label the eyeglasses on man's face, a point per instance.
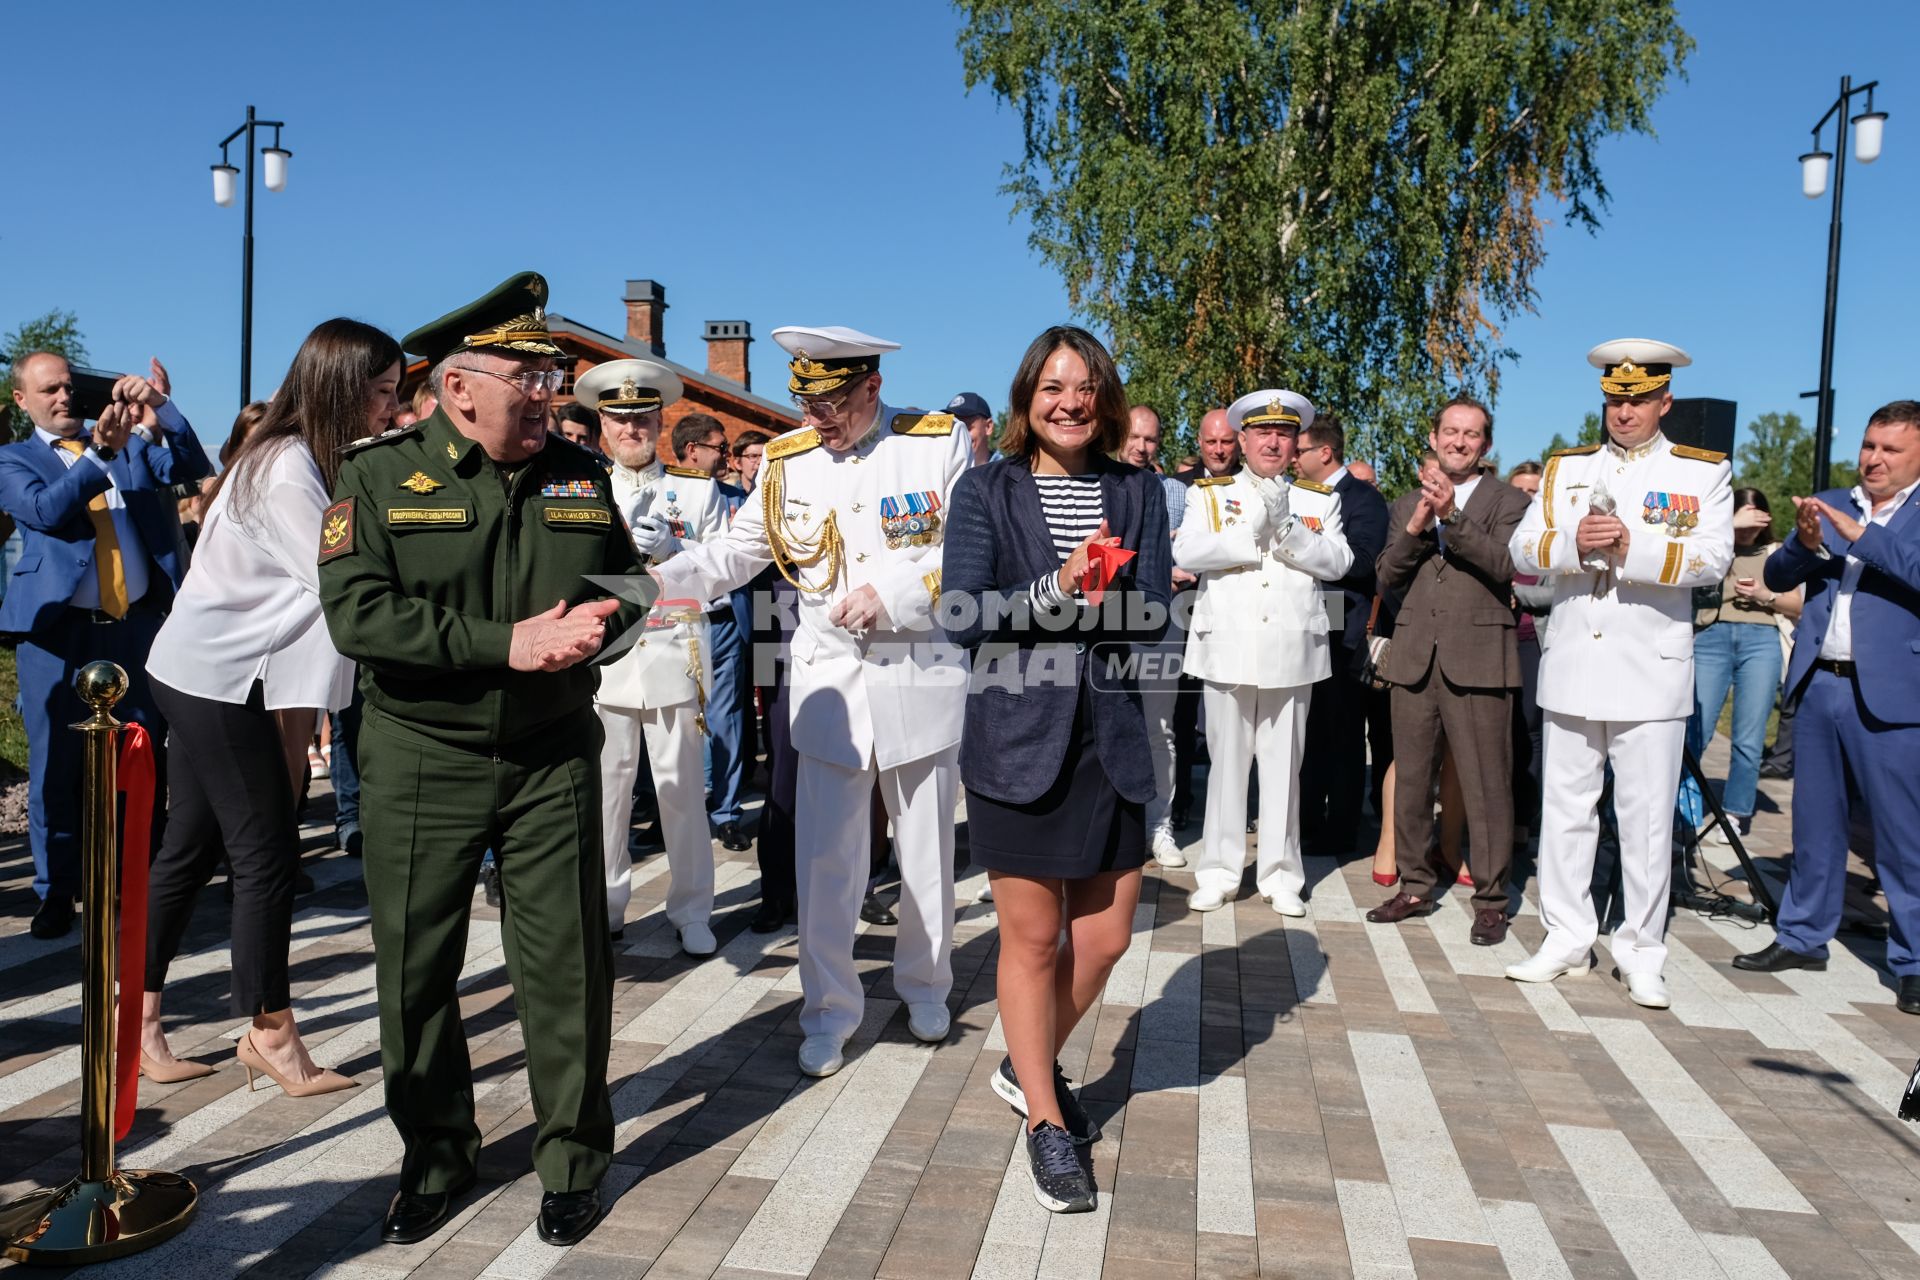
(530, 381)
(707, 444)
(823, 408)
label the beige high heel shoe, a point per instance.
(328, 1081)
(176, 1072)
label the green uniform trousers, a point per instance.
(428, 811)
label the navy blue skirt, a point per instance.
(1079, 827)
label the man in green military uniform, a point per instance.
(454, 567)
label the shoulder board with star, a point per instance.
(1576, 451)
(791, 443)
(923, 424)
(688, 473)
(1312, 486)
(385, 437)
(1208, 481)
(1698, 455)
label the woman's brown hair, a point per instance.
(1109, 393)
(323, 401)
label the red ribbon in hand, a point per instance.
(1103, 562)
(137, 784)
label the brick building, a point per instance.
(724, 389)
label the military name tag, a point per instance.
(578, 516)
(437, 517)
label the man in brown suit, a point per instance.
(1453, 664)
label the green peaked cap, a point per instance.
(508, 318)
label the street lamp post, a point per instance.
(1869, 126)
(224, 175)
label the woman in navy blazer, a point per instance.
(1055, 756)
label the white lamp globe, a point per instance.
(223, 184)
(1813, 173)
(276, 176)
(1867, 131)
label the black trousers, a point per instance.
(1333, 777)
(228, 791)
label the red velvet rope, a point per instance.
(137, 784)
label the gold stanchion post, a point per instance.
(105, 1212)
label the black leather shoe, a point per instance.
(731, 837)
(355, 844)
(770, 917)
(1909, 1001)
(567, 1216)
(54, 918)
(1180, 816)
(875, 911)
(1773, 957)
(1776, 770)
(490, 884)
(647, 840)
(415, 1215)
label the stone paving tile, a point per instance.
(1300, 1098)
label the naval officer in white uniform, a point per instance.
(653, 696)
(851, 508)
(1264, 549)
(1624, 530)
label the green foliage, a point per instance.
(1777, 458)
(57, 331)
(1334, 195)
(1591, 432)
(13, 730)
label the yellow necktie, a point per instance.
(106, 547)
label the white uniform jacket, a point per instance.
(1624, 650)
(1259, 614)
(658, 670)
(897, 693)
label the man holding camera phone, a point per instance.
(99, 563)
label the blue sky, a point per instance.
(823, 165)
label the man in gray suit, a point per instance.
(1454, 664)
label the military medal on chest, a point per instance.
(910, 519)
(672, 514)
(1678, 513)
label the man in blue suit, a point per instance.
(1333, 777)
(99, 565)
(1856, 674)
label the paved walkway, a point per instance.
(1317, 1097)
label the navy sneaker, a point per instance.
(1080, 1126)
(1060, 1182)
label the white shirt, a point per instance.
(250, 607)
(1464, 490)
(1334, 478)
(133, 565)
(1838, 646)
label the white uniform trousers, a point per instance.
(1246, 725)
(673, 749)
(831, 836)
(1646, 757)
(1157, 701)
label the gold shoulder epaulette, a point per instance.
(1312, 486)
(923, 424)
(1576, 451)
(788, 445)
(1204, 481)
(1698, 455)
(385, 437)
(690, 473)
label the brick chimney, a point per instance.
(727, 350)
(647, 314)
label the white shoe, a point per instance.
(820, 1055)
(986, 893)
(1206, 900)
(697, 940)
(1647, 989)
(1165, 851)
(1716, 836)
(929, 1020)
(1287, 904)
(1539, 968)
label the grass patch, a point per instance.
(13, 730)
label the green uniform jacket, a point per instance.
(427, 560)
